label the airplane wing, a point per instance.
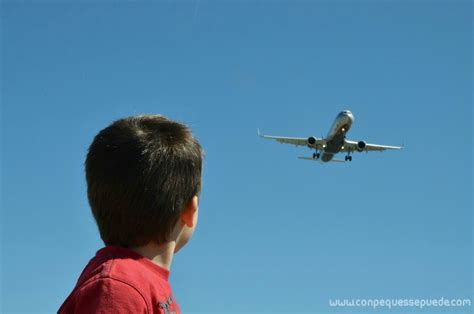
(362, 146)
(298, 141)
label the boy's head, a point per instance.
(143, 178)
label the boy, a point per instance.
(143, 180)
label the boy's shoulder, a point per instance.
(120, 276)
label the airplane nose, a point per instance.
(346, 113)
(350, 116)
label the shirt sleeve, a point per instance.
(108, 295)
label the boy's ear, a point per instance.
(187, 217)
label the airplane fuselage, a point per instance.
(336, 135)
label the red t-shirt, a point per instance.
(118, 280)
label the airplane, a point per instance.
(335, 142)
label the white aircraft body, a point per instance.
(335, 142)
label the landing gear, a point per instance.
(348, 157)
(316, 156)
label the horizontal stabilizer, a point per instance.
(307, 158)
(314, 159)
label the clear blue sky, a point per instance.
(275, 233)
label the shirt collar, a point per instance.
(113, 251)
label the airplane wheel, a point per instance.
(347, 157)
(350, 158)
(317, 155)
(314, 155)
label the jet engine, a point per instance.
(311, 141)
(361, 145)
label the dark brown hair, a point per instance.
(141, 172)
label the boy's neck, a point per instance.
(161, 255)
